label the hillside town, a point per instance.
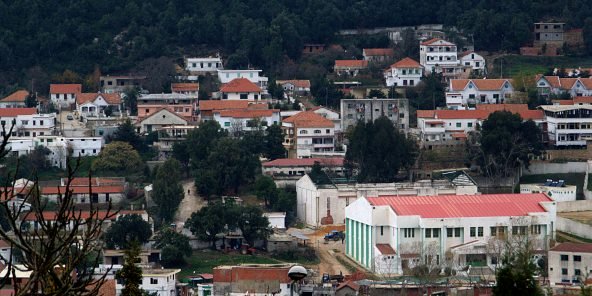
(408, 160)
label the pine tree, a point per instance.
(130, 274)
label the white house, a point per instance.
(191, 89)
(277, 220)
(98, 104)
(203, 65)
(569, 263)
(295, 86)
(323, 204)
(60, 147)
(329, 114)
(25, 122)
(575, 87)
(15, 100)
(241, 89)
(64, 95)
(159, 120)
(387, 234)
(436, 54)
(557, 190)
(473, 60)
(349, 67)
(225, 76)
(406, 72)
(308, 132)
(568, 125)
(237, 121)
(470, 92)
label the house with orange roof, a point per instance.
(25, 122)
(440, 56)
(15, 100)
(451, 127)
(555, 85)
(385, 233)
(569, 263)
(368, 110)
(308, 133)
(349, 68)
(98, 104)
(470, 92)
(241, 89)
(64, 95)
(378, 55)
(301, 87)
(406, 72)
(246, 120)
(191, 89)
(182, 104)
(253, 75)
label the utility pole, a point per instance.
(501, 68)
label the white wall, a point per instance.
(203, 64)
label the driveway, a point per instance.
(71, 128)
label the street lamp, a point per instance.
(296, 273)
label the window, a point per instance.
(317, 131)
(40, 122)
(577, 258)
(564, 257)
(244, 96)
(577, 272)
(469, 124)
(153, 281)
(436, 232)
(493, 231)
(472, 232)
(458, 124)
(428, 232)
(381, 230)
(535, 229)
(449, 232)
(328, 131)
(457, 231)
(564, 271)
(519, 230)
(303, 132)
(408, 232)
(480, 231)
(227, 123)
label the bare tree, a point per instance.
(61, 249)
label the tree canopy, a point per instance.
(167, 189)
(377, 151)
(131, 274)
(175, 247)
(119, 158)
(128, 229)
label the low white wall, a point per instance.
(538, 168)
(574, 227)
(574, 206)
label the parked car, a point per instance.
(334, 235)
(70, 117)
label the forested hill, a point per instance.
(115, 34)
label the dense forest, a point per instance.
(39, 38)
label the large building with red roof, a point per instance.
(15, 100)
(555, 85)
(241, 89)
(471, 92)
(307, 133)
(569, 263)
(406, 72)
(64, 95)
(387, 233)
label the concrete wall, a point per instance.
(574, 227)
(537, 168)
(574, 206)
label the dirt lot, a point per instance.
(583, 217)
(328, 251)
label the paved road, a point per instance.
(71, 128)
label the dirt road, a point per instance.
(328, 251)
(190, 203)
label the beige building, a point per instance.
(569, 263)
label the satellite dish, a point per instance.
(297, 273)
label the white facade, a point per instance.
(277, 220)
(30, 125)
(441, 235)
(437, 53)
(60, 147)
(203, 65)
(63, 100)
(160, 281)
(569, 263)
(568, 125)
(226, 76)
(247, 96)
(575, 87)
(316, 202)
(559, 194)
(247, 120)
(331, 115)
(405, 72)
(474, 60)
(470, 92)
(159, 120)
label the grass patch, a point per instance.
(204, 261)
(570, 179)
(350, 267)
(515, 65)
(308, 257)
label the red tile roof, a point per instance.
(459, 135)
(480, 113)
(295, 82)
(96, 181)
(566, 83)
(14, 112)
(65, 88)
(406, 63)
(51, 215)
(309, 119)
(349, 284)
(111, 99)
(434, 40)
(208, 105)
(481, 84)
(291, 162)
(386, 249)
(183, 87)
(351, 63)
(247, 113)
(563, 102)
(458, 206)
(378, 52)
(503, 107)
(573, 247)
(17, 96)
(240, 85)
(583, 100)
(83, 189)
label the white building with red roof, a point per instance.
(436, 53)
(98, 104)
(569, 263)
(15, 100)
(25, 122)
(470, 92)
(297, 86)
(555, 85)
(300, 166)
(349, 68)
(191, 89)
(307, 133)
(64, 95)
(379, 55)
(245, 120)
(241, 89)
(406, 72)
(253, 75)
(473, 60)
(388, 233)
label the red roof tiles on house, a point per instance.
(184, 87)
(434, 40)
(295, 82)
(210, 105)
(111, 99)
(582, 100)
(481, 84)
(459, 206)
(378, 52)
(386, 249)
(17, 96)
(240, 85)
(14, 112)
(573, 247)
(65, 88)
(502, 107)
(309, 119)
(481, 114)
(82, 189)
(51, 215)
(406, 63)
(292, 162)
(351, 63)
(247, 113)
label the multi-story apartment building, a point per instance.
(225, 76)
(406, 72)
(354, 110)
(471, 92)
(25, 122)
(575, 87)
(64, 95)
(322, 204)
(549, 33)
(241, 89)
(308, 132)
(452, 230)
(184, 105)
(437, 54)
(119, 84)
(203, 65)
(568, 125)
(569, 263)
(191, 89)
(168, 136)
